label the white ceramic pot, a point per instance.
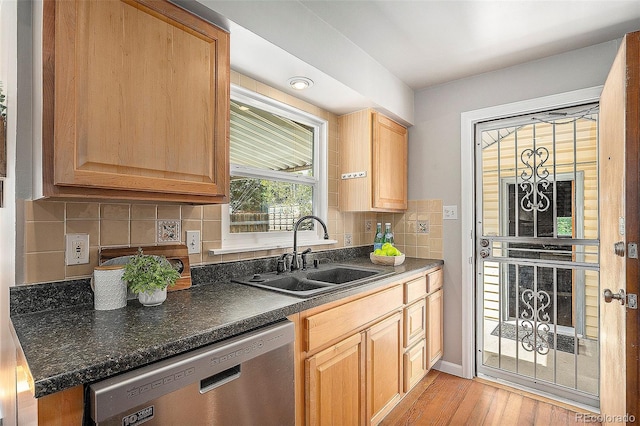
(153, 298)
(109, 291)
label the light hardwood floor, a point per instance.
(443, 399)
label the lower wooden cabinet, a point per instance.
(356, 358)
(358, 380)
(415, 364)
(434, 327)
(335, 384)
(422, 326)
(384, 367)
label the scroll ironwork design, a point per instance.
(534, 176)
(535, 321)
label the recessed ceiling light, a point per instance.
(300, 83)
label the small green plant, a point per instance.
(146, 273)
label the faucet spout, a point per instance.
(294, 261)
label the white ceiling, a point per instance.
(379, 53)
(425, 43)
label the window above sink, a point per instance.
(278, 157)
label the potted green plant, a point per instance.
(149, 276)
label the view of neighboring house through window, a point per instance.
(277, 165)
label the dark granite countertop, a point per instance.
(71, 345)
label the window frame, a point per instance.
(253, 241)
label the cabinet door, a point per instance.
(415, 319)
(434, 327)
(136, 102)
(372, 143)
(384, 367)
(335, 384)
(415, 364)
(389, 164)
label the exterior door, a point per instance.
(537, 251)
(619, 140)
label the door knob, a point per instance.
(609, 296)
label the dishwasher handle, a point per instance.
(210, 383)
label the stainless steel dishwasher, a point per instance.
(245, 380)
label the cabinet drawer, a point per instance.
(415, 321)
(415, 364)
(415, 289)
(333, 323)
(434, 281)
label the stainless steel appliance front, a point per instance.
(246, 380)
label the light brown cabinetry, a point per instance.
(335, 384)
(384, 367)
(415, 322)
(372, 143)
(357, 357)
(352, 358)
(435, 327)
(136, 102)
(415, 364)
(359, 379)
(422, 325)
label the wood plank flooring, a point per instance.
(443, 399)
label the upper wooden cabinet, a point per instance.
(371, 143)
(136, 102)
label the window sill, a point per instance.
(241, 249)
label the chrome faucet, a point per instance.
(294, 260)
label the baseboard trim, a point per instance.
(449, 368)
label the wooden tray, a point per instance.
(175, 253)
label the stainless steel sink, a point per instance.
(306, 283)
(341, 274)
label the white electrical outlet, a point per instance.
(193, 242)
(77, 249)
(450, 212)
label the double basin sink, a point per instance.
(307, 283)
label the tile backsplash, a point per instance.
(417, 232)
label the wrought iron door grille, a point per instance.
(538, 251)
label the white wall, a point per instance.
(8, 77)
(310, 39)
(434, 147)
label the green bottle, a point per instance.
(379, 238)
(388, 235)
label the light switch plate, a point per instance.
(193, 242)
(77, 249)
